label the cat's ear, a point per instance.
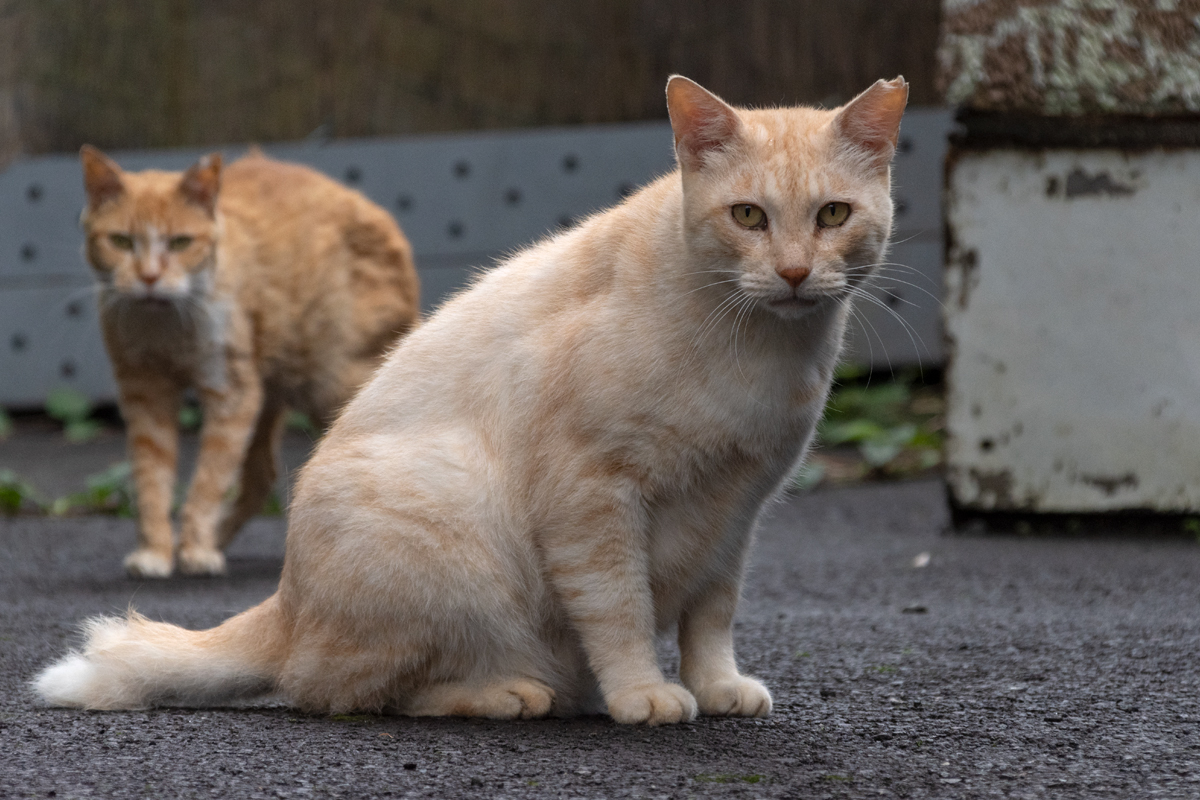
(702, 122)
(871, 121)
(101, 176)
(202, 181)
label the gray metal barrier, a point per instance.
(463, 200)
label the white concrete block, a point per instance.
(1073, 329)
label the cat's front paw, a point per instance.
(145, 563)
(736, 697)
(656, 704)
(199, 561)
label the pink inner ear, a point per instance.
(872, 120)
(702, 122)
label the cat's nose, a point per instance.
(150, 278)
(794, 275)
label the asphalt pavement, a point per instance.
(1004, 667)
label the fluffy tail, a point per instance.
(135, 663)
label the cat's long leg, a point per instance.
(259, 472)
(150, 407)
(229, 417)
(597, 561)
(707, 664)
(518, 698)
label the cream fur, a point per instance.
(567, 458)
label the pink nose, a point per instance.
(794, 275)
(150, 278)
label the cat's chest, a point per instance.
(185, 342)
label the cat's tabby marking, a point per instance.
(567, 458)
(263, 287)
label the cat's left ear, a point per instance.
(202, 181)
(703, 123)
(871, 121)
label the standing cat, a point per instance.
(264, 287)
(567, 458)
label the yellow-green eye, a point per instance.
(178, 243)
(749, 216)
(121, 241)
(833, 214)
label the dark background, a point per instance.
(161, 73)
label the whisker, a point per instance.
(710, 285)
(909, 330)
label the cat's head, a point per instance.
(794, 204)
(151, 235)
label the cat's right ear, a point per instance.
(202, 181)
(101, 176)
(703, 123)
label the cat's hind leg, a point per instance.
(259, 472)
(515, 698)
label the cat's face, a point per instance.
(150, 235)
(793, 206)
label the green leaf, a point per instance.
(78, 431)
(808, 476)
(879, 453)
(859, 430)
(16, 492)
(190, 418)
(110, 491)
(302, 422)
(273, 507)
(67, 405)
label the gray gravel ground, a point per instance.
(1037, 668)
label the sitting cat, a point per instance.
(264, 287)
(566, 458)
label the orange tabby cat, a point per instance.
(567, 458)
(264, 287)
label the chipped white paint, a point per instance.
(1073, 321)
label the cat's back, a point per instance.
(265, 194)
(313, 262)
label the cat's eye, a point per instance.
(833, 214)
(178, 243)
(749, 215)
(121, 241)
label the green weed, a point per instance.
(894, 426)
(108, 492)
(17, 494)
(74, 411)
(301, 422)
(190, 417)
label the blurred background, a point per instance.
(1035, 342)
(171, 73)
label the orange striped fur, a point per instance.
(263, 287)
(570, 457)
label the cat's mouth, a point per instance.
(792, 302)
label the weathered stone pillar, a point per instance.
(1073, 254)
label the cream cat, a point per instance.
(567, 458)
(265, 286)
